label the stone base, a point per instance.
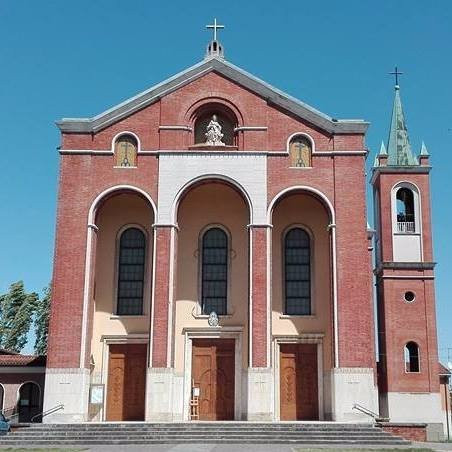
(350, 385)
(70, 388)
(260, 394)
(415, 408)
(160, 394)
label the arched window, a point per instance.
(215, 125)
(297, 272)
(300, 151)
(411, 357)
(132, 251)
(405, 210)
(214, 271)
(126, 147)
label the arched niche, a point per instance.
(220, 113)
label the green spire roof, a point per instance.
(399, 149)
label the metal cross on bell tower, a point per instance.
(396, 73)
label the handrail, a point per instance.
(47, 412)
(370, 413)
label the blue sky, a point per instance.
(69, 59)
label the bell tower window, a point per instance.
(405, 210)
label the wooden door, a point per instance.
(213, 371)
(126, 382)
(298, 382)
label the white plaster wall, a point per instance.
(160, 394)
(350, 385)
(407, 247)
(176, 170)
(260, 392)
(414, 407)
(69, 387)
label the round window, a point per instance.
(409, 296)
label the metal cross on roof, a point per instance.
(396, 73)
(215, 27)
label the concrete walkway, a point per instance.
(230, 448)
(248, 448)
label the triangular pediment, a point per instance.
(259, 87)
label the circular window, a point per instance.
(409, 296)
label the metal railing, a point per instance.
(406, 226)
(47, 412)
(370, 413)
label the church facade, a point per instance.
(213, 258)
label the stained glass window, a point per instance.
(132, 247)
(297, 266)
(126, 151)
(300, 151)
(214, 271)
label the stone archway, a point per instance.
(29, 403)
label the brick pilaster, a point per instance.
(161, 301)
(259, 305)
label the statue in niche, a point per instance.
(213, 134)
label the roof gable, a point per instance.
(228, 70)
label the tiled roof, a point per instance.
(22, 360)
(3, 351)
(443, 370)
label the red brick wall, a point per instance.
(161, 296)
(82, 179)
(259, 294)
(408, 432)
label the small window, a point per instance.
(405, 210)
(297, 269)
(132, 250)
(300, 151)
(409, 296)
(126, 147)
(411, 357)
(214, 271)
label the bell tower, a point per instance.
(408, 357)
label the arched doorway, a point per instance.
(302, 303)
(212, 271)
(122, 269)
(29, 402)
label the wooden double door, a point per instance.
(126, 386)
(299, 396)
(213, 372)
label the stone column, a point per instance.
(159, 386)
(260, 376)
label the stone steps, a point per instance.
(202, 432)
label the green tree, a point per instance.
(16, 315)
(42, 313)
